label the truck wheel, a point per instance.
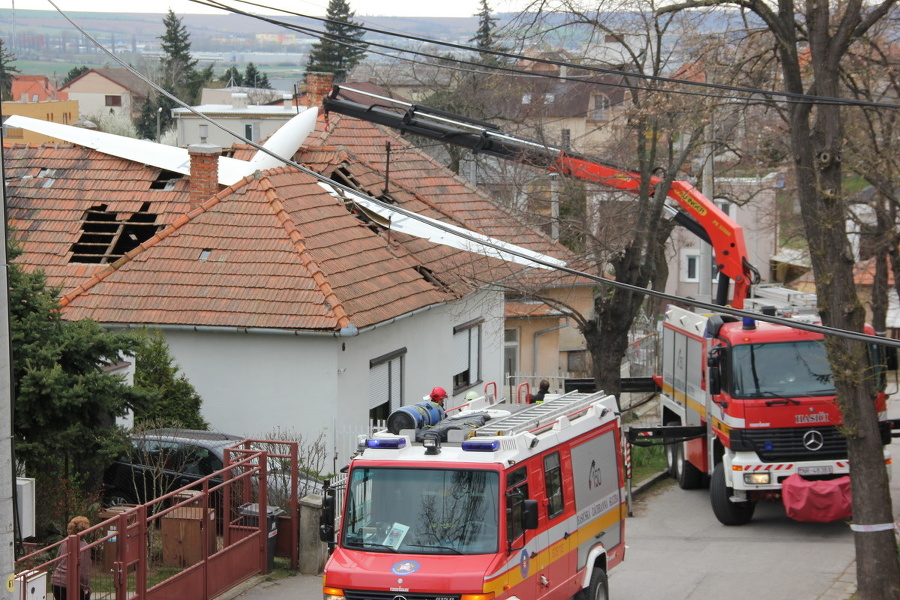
(670, 453)
(686, 474)
(598, 589)
(726, 511)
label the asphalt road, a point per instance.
(677, 550)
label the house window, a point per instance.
(565, 140)
(467, 355)
(526, 98)
(13, 132)
(724, 206)
(599, 107)
(690, 268)
(549, 98)
(386, 384)
(553, 485)
(113, 100)
(250, 132)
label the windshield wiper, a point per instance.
(364, 545)
(454, 550)
(778, 399)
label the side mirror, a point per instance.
(713, 374)
(529, 514)
(326, 520)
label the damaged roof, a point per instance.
(275, 250)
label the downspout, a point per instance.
(534, 347)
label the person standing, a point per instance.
(58, 580)
(543, 388)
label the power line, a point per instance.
(852, 335)
(804, 98)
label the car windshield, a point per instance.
(422, 511)
(780, 370)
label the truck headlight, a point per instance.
(757, 478)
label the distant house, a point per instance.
(35, 88)
(286, 303)
(254, 122)
(108, 90)
(64, 112)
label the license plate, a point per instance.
(814, 470)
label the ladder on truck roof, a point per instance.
(538, 416)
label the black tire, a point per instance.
(728, 512)
(686, 474)
(598, 589)
(670, 453)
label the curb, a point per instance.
(242, 587)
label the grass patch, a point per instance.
(647, 461)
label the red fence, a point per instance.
(195, 542)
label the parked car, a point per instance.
(163, 460)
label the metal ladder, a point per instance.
(538, 415)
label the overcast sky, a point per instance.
(393, 8)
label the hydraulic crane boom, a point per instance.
(700, 215)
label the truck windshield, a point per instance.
(785, 369)
(422, 511)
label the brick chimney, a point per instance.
(204, 172)
(318, 85)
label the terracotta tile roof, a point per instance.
(433, 186)
(273, 251)
(50, 188)
(282, 255)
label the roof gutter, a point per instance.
(345, 332)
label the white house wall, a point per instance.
(253, 383)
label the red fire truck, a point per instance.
(749, 406)
(497, 501)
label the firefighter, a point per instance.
(438, 395)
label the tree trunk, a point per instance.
(823, 209)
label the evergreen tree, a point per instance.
(7, 71)
(255, 78)
(484, 38)
(146, 121)
(75, 72)
(65, 403)
(173, 401)
(341, 47)
(178, 66)
(232, 77)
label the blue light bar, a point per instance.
(387, 443)
(481, 445)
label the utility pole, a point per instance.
(7, 472)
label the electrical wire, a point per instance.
(825, 330)
(804, 98)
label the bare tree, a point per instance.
(812, 41)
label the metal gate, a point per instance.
(195, 542)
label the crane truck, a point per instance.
(747, 406)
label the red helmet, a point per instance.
(438, 394)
